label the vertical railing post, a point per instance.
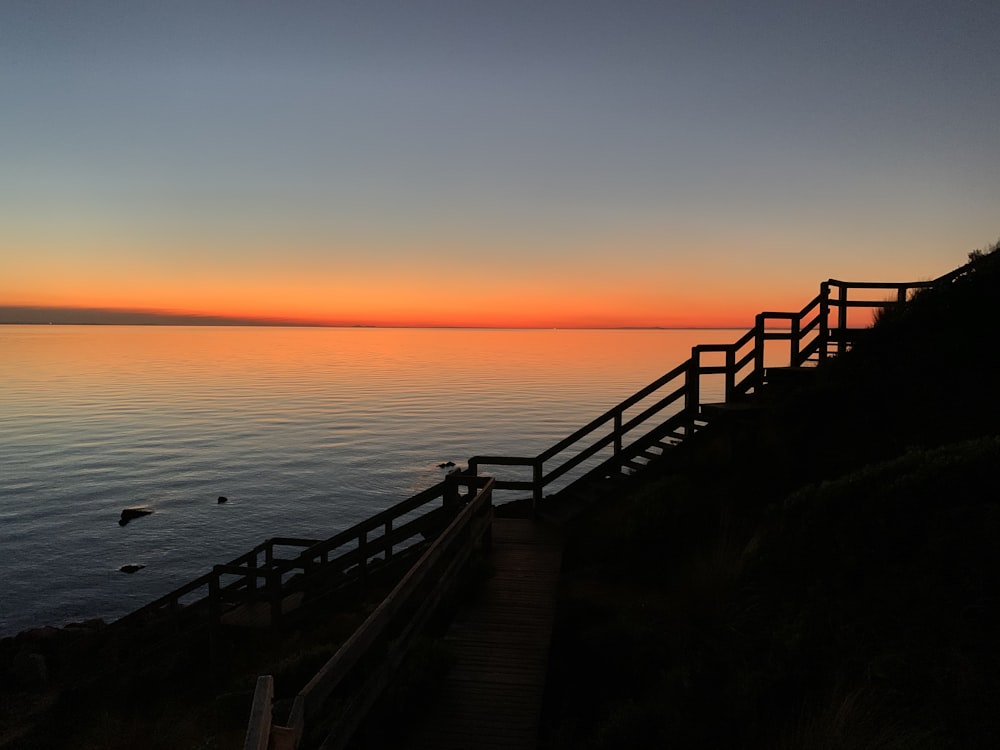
(214, 623)
(824, 320)
(692, 395)
(730, 374)
(758, 351)
(450, 494)
(618, 434)
(488, 509)
(842, 318)
(259, 727)
(794, 343)
(388, 540)
(536, 486)
(362, 563)
(252, 573)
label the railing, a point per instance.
(827, 325)
(267, 585)
(353, 679)
(667, 411)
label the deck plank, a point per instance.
(492, 696)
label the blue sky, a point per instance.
(623, 162)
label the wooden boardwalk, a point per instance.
(492, 696)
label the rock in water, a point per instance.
(132, 513)
(222, 499)
(131, 568)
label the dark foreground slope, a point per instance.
(835, 583)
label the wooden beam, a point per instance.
(259, 728)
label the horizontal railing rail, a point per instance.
(820, 329)
(827, 325)
(367, 660)
(267, 574)
(670, 408)
(809, 333)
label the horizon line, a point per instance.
(68, 315)
(256, 324)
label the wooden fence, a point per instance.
(334, 702)
(671, 408)
(827, 325)
(667, 411)
(282, 576)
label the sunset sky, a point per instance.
(436, 162)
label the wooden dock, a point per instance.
(492, 696)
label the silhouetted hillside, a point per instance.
(833, 583)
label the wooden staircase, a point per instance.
(641, 434)
(650, 426)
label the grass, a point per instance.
(835, 584)
(99, 696)
(860, 609)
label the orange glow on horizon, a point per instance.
(553, 315)
(438, 304)
(489, 291)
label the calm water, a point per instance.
(306, 431)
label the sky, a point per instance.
(439, 162)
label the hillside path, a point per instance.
(492, 695)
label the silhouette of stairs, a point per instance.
(653, 452)
(492, 698)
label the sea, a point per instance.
(304, 431)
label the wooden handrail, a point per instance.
(744, 372)
(256, 579)
(258, 735)
(806, 336)
(809, 334)
(610, 413)
(820, 328)
(437, 566)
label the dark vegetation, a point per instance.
(825, 575)
(92, 685)
(118, 687)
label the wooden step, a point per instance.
(797, 373)
(257, 615)
(728, 408)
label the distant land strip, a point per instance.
(98, 316)
(26, 315)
